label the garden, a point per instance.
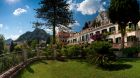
(126, 68)
(96, 60)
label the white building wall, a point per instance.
(113, 36)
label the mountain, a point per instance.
(8, 41)
(38, 34)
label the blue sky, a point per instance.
(16, 16)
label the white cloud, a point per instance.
(74, 24)
(12, 1)
(19, 11)
(14, 37)
(57, 29)
(72, 5)
(48, 30)
(61, 27)
(101, 9)
(89, 7)
(1, 25)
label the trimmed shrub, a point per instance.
(100, 53)
(131, 51)
(73, 51)
(49, 51)
(18, 48)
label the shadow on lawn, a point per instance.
(120, 65)
(44, 62)
(124, 60)
(116, 67)
(28, 68)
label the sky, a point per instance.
(17, 16)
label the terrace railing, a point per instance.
(9, 60)
(12, 59)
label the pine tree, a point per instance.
(55, 13)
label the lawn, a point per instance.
(129, 68)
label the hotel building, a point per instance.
(103, 25)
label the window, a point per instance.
(104, 31)
(131, 38)
(82, 38)
(118, 40)
(91, 34)
(131, 26)
(110, 40)
(86, 37)
(97, 32)
(112, 29)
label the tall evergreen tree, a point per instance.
(122, 12)
(12, 46)
(1, 44)
(55, 13)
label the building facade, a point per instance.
(102, 25)
(62, 37)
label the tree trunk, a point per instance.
(123, 32)
(122, 42)
(135, 26)
(54, 38)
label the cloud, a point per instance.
(61, 27)
(101, 8)
(48, 30)
(14, 37)
(74, 24)
(89, 7)
(19, 11)
(1, 25)
(57, 29)
(72, 5)
(12, 1)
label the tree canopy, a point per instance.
(55, 13)
(122, 12)
(1, 43)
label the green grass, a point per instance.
(75, 69)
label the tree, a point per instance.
(12, 46)
(34, 44)
(86, 26)
(1, 44)
(100, 53)
(55, 13)
(122, 12)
